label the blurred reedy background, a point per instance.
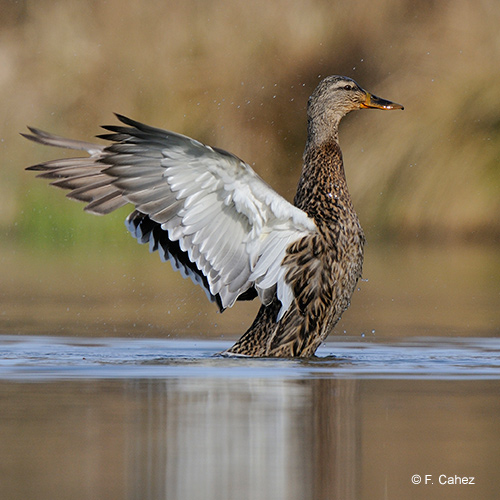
(237, 75)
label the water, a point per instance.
(157, 418)
(48, 358)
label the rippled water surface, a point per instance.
(148, 419)
(39, 358)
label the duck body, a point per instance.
(216, 221)
(324, 267)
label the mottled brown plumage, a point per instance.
(323, 268)
(216, 221)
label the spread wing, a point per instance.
(203, 208)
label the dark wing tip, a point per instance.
(27, 136)
(38, 168)
(126, 120)
(36, 135)
(120, 132)
(142, 127)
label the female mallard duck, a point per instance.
(219, 223)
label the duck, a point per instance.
(216, 221)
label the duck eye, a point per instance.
(348, 87)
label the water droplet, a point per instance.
(362, 334)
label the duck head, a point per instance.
(332, 99)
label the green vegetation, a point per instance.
(237, 75)
(58, 223)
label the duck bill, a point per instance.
(372, 101)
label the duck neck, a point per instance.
(322, 191)
(322, 129)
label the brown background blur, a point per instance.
(237, 75)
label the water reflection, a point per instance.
(250, 439)
(257, 438)
(221, 439)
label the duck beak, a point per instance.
(372, 101)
